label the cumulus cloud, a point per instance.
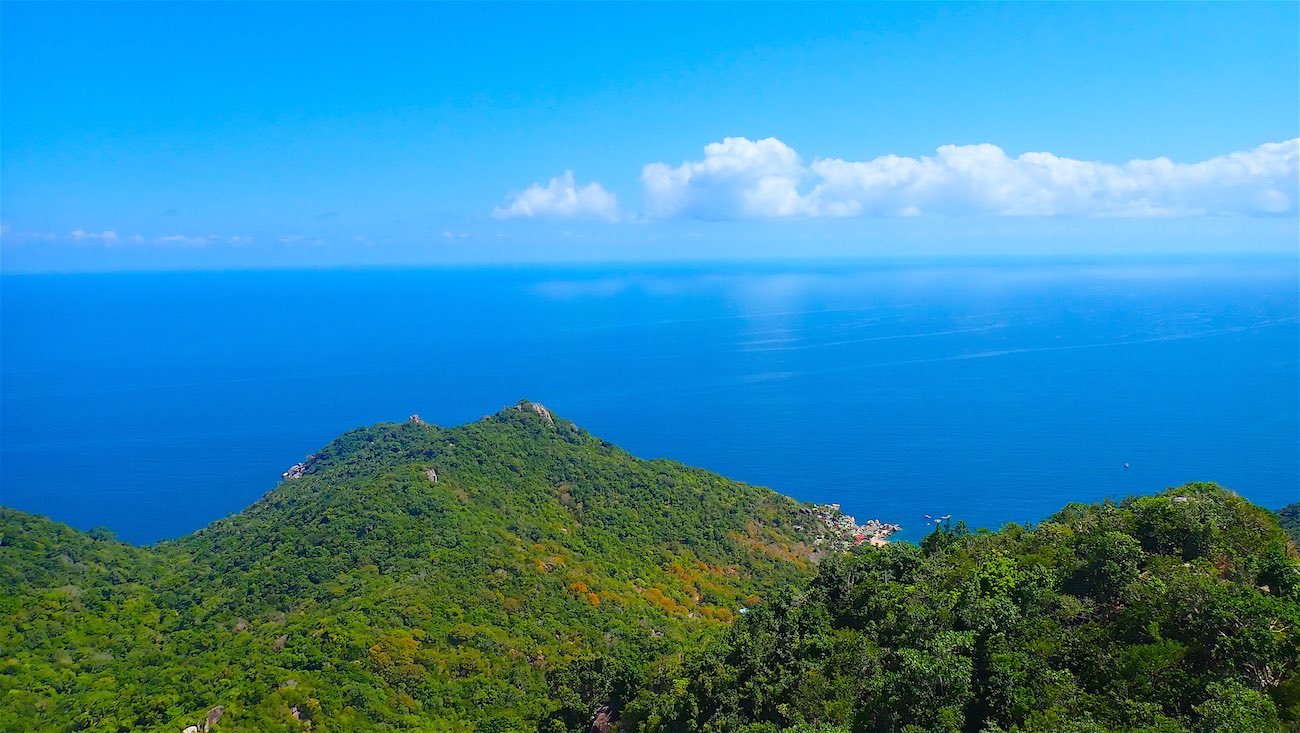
(561, 199)
(738, 178)
(742, 178)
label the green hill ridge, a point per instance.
(520, 574)
(491, 575)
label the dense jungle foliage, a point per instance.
(518, 574)
(536, 569)
(1168, 613)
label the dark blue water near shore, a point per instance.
(156, 403)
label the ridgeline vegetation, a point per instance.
(519, 574)
(1289, 517)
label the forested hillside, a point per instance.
(519, 574)
(1175, 612)
(1289, 518)
(502, 575)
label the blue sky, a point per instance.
(242, 135)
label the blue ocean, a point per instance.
(994, 391)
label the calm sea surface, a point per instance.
(155, 403)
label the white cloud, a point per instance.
(741, 178)
(738, 178)
(9, 235)
(294, 239)
(180, 239)
(187, 239)
(107, 236)
(561, 199)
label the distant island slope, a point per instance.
(520, 574)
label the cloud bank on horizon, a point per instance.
(739, 178)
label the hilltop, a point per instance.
(503, 574)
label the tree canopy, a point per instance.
(507, 574)
(1165, 613)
